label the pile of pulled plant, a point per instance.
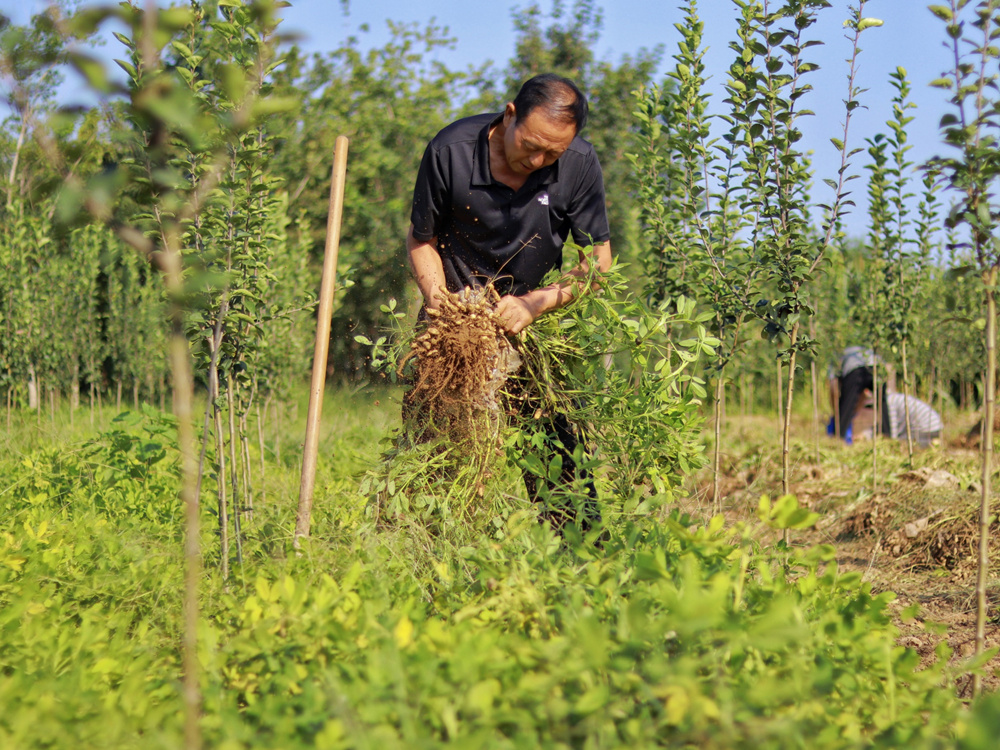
(462, 359)
(925, 524)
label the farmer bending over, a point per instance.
(848, 386)
(496, 197)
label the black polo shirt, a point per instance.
(487, 231)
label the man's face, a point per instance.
(534, 141)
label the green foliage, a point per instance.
(604, 362)
(674, 633)
(389, 101)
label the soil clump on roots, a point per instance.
(462, 361)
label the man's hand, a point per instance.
(515, 314)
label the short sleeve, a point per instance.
(588, 212)
(429, 204)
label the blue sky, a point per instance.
(910, 37)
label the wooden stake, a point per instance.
(311, 447)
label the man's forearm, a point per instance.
(557, 295)
(425, 262)
(519, 312)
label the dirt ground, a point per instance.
(914, 532)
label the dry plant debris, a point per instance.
(946, 537)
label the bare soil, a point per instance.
(915, 532)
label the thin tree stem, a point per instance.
(990, 280)
(906, 407)
(720, 394)
(787, 423)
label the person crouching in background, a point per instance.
(854, 414)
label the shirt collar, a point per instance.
(481, 161)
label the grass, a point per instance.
(399, 635)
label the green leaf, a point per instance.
(943, 12)
(93, 71)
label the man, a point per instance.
(848, 387)
(496, 197)
(925, 422)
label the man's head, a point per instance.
(542, 121)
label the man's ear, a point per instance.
(509, 115)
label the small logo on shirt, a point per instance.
(544, 199)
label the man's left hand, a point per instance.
(515, 314)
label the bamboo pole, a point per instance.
(327, 288)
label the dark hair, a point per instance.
(553, 93)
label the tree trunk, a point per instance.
(876, 424)
(277, 433)
(238, 502)
(260, 442)
(743, 396)
(220, 464)
(183, 399)
(779, 382)
(906, 408)
(118, 397)
(21, 135)
(989, 399)
(32, 388)
(214, 345)
(815, 400)
(720, 396)
(74, 389)
(246, 461)
(135, 395)
(787, 421)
